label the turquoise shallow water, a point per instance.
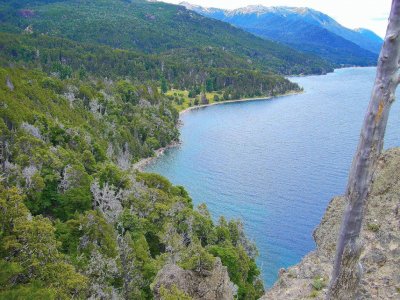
(277, 163)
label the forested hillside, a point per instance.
(151, 27)
(183, 69)
(76, 220)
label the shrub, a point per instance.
(373, 227)
(318, 283)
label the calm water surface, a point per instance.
(277, 163)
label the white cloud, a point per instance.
(371, 14)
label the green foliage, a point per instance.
(31, 264)
(127, 92)
(77, 131)
(63, 71)
(225, 73)
(197, 259)
(9, 271)
(94, 229)
(164, 85)
(106, 253)
(373, 227)
(314, 294)
(155, 181)
(35, 291)
(173, 293)
(237, 254)
(318, 283)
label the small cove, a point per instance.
(275, 164)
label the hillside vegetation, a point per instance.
(76, 220)
(224, 73)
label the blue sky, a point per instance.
(371, 14)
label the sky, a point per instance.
(371, 14)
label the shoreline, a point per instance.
(139, 165)
(238, 100)
(142, 163)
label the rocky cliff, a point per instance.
(215, 285)
(380, 235)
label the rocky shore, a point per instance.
(141, 164)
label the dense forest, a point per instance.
(76, 220)
(195, 71)
(81, 101)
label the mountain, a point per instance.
(304, 29)
(372, 36)
(152, 28)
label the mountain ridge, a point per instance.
(152, 28)
(304, 29)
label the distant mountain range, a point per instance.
(303, 29)
(170, 32)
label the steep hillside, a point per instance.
(77, 220)
(380, 234)
(303, 29)
(150, 27)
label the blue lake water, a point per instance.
(276, 163)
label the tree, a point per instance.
(197, 259)
(30, 263)
(107, 200)
(127, 92)
(164, 85)
(209, 85)
(347, 272)
(204, 99)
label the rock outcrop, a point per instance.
(380, 235)
(215, 286)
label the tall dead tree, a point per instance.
(347, 270)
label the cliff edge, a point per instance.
(380, 234)
(215, 285)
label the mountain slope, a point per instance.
(303, 29)
(151, 28)
(194, 70)
(371, 36)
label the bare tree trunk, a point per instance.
(347, 269)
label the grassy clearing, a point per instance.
(182, 101)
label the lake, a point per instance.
(276, 163)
